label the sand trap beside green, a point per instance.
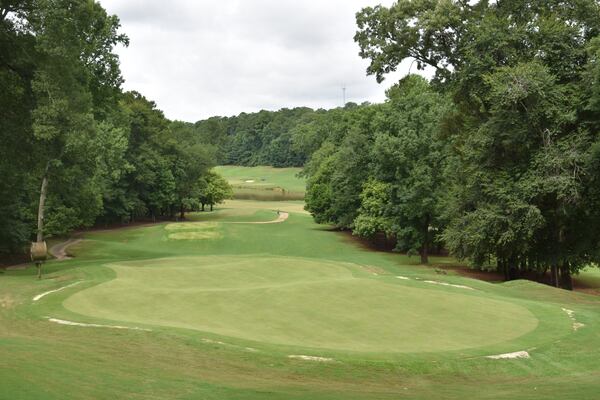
(300, 302)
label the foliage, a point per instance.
(520, 175)
(214, 189)
(108, 156)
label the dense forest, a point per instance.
(497, 158)
(73, 141)
(284, 138)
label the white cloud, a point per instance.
(202, 58)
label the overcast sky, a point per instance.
(202, 58)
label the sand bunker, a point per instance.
(406, 278)
(571, 314)
(510, 356)
(280, 218)
(310, 358)
(72, 323)
(449, 284)
(39, 296)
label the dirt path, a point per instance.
(282, 217)
(59, 251)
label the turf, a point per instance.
(225, 313)
(264, 183)
(299, 302)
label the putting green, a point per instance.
(300, 302)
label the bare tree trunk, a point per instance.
(41, 208)
(425, 253)
(182, 211)
(554, 275)
(40, 220)
(211, 206)
(425, 246)
(566, 280)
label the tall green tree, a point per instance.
(521, 139)
(214, 189)
(408, 157)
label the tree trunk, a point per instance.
(40, 220)
(425, 253)
(566, 281)
(211, 206)
(513, 269)
(42, 208)
(182, 212)
(554, 275)
(425, 246)
(202, 206)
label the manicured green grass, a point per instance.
(226, 311)
(284, 300)
(264, 183)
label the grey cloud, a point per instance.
(202, 58)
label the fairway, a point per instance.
(299, 302)
(316, 200)
(226, 306)
(264, 183)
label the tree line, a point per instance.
(283, 138)
(497, 158)
(69, 133)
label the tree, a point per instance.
(409, 157)
(214, 189)
(339, 169)
(59, 79)
(521, 136)
(191, 160)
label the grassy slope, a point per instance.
(39, 359)
(268, 183)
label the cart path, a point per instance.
(59, 250)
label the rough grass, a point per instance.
(226, 314)
(264, 183)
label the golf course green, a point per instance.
(255, 301)
(299, 302)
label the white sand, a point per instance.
(39, 296)
(282, 217)
(571, 314)
(72, 323)
(510, 356)
(310, 358)
(449, 284)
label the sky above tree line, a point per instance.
(198, 59)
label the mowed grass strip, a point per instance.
(52, 361)
(299, 302)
